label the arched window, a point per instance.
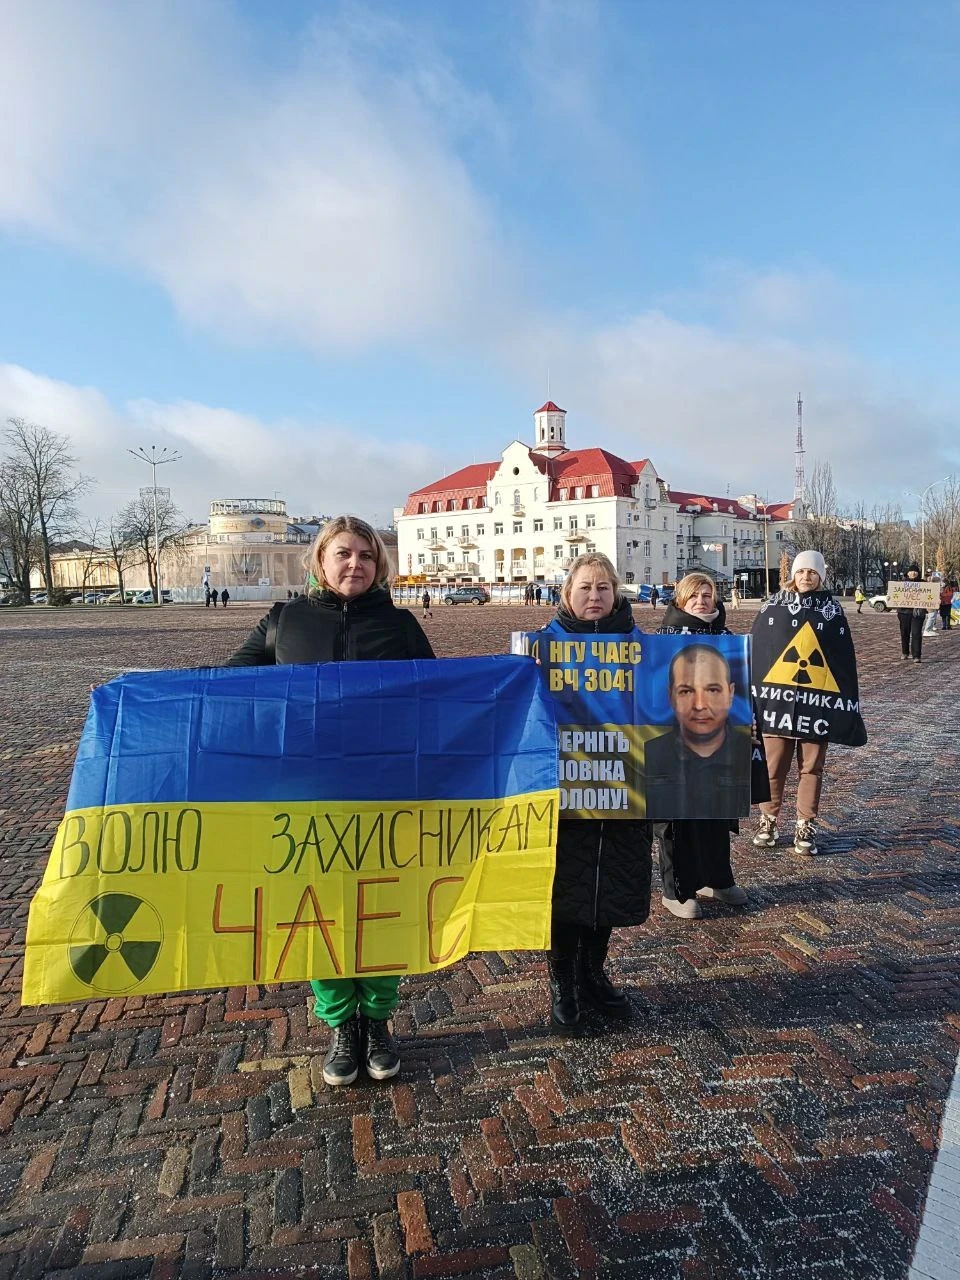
(496, 498)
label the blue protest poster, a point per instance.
(649, 726)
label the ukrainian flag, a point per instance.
(273, 824)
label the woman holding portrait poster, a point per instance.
(602, 879)
(695, 853)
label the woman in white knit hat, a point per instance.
(805, 686)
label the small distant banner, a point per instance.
(275, 824)
(913, 595)
(649, 726)
(805, 670)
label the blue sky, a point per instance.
(334, 250)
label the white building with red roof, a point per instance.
(738, 539)
(527, 516)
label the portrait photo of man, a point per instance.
(699, 768)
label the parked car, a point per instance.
(466, 595)
(142, 597)
(879, 603)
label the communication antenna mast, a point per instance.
(799, 484)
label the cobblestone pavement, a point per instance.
(772, 1110)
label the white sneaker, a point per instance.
(767, 834)
(805, 841)
(733, 897)
(689, 909)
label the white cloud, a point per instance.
(323, 203)
(316, 467)
(773, 300)
(709, 408)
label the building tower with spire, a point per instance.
(799, 483)
(550, 429)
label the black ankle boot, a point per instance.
(565, 1015)
(595, 987)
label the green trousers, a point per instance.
(338, 999)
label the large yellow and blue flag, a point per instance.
(274, 824)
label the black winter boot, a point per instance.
(564, 984)
(595, 987)
(341, 1065)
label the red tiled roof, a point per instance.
(468, 482)
(728, 506)
(780, 510)
(477, 474)
(611, 475)
(550, 407)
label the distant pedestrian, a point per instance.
(911, 624)
(860, 598)
(214, 596)
(538, 595)
(224, 597)
(734, 598)
(207, 598)
(654, 596)
(427, 611)
(289, 594)
(947, 592)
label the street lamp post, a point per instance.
(156, 460)
(766, 551)
(923, 521)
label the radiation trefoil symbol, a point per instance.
(802, 663)
(115, 942)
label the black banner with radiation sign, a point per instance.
(805, 671)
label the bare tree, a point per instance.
(123, 554)
(90, 552)
(135, 530)
(888, 549)
(943, 524)
(19, 544)
(44, 465)
(824, 527)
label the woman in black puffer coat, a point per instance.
(602, 879)
(346, 616)
(695, 853)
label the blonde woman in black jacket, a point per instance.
(602, 879)
(346, 615)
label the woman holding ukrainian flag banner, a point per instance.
(602, 878)
(347, 614)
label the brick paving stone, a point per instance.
(772, 1110)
